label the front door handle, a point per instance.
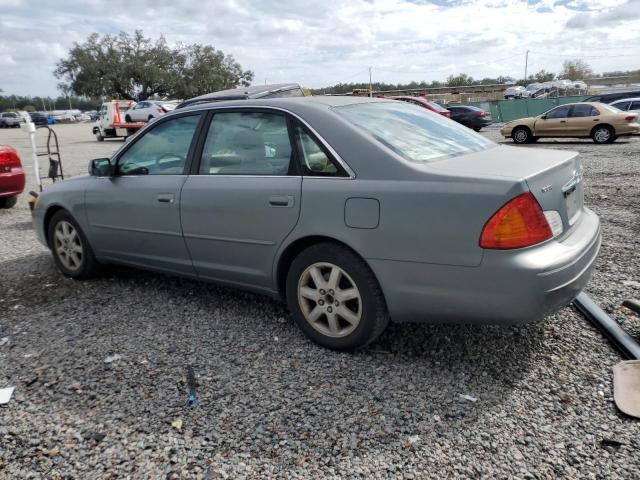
(596, 120)
(563, 121)
(165, 198)
(281, 201)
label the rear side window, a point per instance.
(315, 160)
(583, 110)
(415, 133)
(247, 143)
(635, 106)
(622, 105)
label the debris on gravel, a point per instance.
(285, 408)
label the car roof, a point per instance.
(241, 93)
(629, 99)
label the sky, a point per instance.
(323, 42)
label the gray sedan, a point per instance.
(354, 211)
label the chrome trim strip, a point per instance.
(137, 230)
(229, 239)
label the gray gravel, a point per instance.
(100, 371)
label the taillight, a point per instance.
(631, 118)
(8, 158)
(518, 223)
(160, 110)
(446, 113)
(480, 114)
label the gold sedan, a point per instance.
(603, 123)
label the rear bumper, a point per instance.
(509, 286)
(12, 183)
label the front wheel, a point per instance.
(70, 248)
(477, 129)
(521, 135)
(335, 298)
(603, 134)
(8, 202)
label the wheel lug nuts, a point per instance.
(329, 309)
(331, 292)
(320, 302)
(322, 292)
(337, 304)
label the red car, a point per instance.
(428, 104)
(11, 176)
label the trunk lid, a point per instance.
(553, 176)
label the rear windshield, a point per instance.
(436, 106)
(415, 133)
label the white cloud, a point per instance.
(321, 42)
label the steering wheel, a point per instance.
(169, 160)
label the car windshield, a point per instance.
(415, 133)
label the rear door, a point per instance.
(554, 123)
(243, 197)
(582, 118)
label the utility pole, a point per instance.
(370, 87)
(526, 64)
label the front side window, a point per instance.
(559, 112)
(415, 133)
(162, 150)
(247, 143)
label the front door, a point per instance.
(244, 199)
(134, 215)
(554, 123)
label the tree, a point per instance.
(575, 70)
(133, 67)
(459, 80)
(544, 76)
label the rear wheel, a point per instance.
(603, 134)
(150, 118)
(127, 119)
(99, 137)
(477, 129)
(335, 298)
(8, 202)
(70, 248)
(521, 135)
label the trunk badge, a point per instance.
(546, 189)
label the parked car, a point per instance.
(628, 105)
(148, 110)
(353, 210)
(424, 103)
(516, 91)
(275, 90)
(39, 118)
(531, 89)
(10, 120)
(603, 123)
(612, 97)
(472, 117)
(11, 176)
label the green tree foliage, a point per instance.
(134, 67)
(32, 104)
(575, 70)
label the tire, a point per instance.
(477, 129)
(99, 137)
(365, 311)
(150, 118)
(521, 135)
(127, 119)
(78, 260)
(603, 134)
(8, 202)
(534, 139)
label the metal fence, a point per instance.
(507, 110)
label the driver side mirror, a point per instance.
(543, 117)
(100, 167)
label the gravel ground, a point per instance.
(100, 366)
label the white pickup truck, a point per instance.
(110, 122)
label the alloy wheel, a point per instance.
(602, 135)
(67, 245)
(520, 135)
(329, 299)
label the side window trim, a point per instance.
(118, 155)
(340, 173)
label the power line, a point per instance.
(577, 55)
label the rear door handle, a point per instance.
(165, 198)
(281, 201)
